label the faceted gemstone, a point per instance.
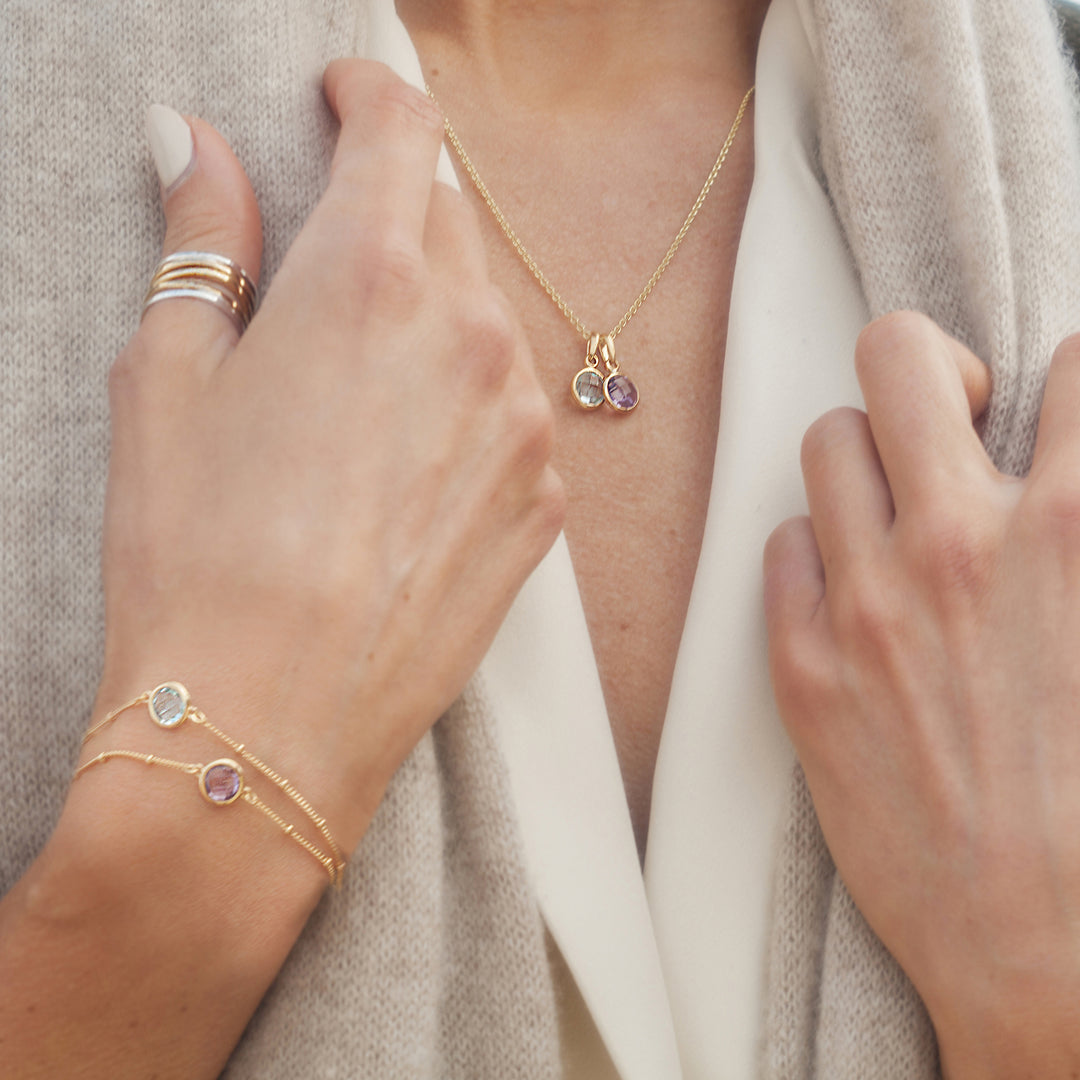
(621, 393)
(588, 388)
(221, 782)
(168, 706)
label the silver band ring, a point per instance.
(203, 275)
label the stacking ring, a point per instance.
(202, 275)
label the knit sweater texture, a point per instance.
(949, 145)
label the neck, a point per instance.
(580, 54)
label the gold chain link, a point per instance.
(333, 862)
(197, 716)
(530, 262)
(190, 767)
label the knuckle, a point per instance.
(488, 341)
(545, 515)
(776, 543)
(814, 440)
(550, 510)
(781, 540)
(347, 75)
(955, 551)
(532, 422)
(887, 335)
(826, 432)
(392, 267)
(865, 611)
(487, 325)
(800, 678)
(214, 226)
(402, 109)
(1054, 508)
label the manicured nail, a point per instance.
(170, 143)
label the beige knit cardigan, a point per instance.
(948, 139)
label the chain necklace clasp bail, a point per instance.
(607, 354)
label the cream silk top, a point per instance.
(669, 964)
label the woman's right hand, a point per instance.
(319, 527)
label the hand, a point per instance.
(319, 527)
(924, 630)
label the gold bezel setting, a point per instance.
(596, 380)
(227, 766)
(221, 782)
(164, 715)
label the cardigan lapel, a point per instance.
(724, 765)
(579, 844)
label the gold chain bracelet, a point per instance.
(221, 782)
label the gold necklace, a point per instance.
(591, 387)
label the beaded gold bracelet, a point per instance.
(221, 782)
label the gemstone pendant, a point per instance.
(588, 388)
(221, 782)
(591, 387)
(620, 392)
(169, 704)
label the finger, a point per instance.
(974, 374)
(387, 150)
(919, 411)
(452, 241)
(794, 597)
(850, 504)
(209, 206)
(1059, 420)
(794, 576)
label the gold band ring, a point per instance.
(202, 275)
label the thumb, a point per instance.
(209, 206)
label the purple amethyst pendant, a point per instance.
(620, 392)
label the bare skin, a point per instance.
(595, 139)
(923, 633)
(258, 549)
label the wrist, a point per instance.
(141, 836)
(176, 915)
(285, 716)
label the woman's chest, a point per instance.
(637, 484)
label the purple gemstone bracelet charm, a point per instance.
(591, 386)
(221, 782)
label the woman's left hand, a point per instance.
(924, 628)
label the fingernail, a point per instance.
(170, 143)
